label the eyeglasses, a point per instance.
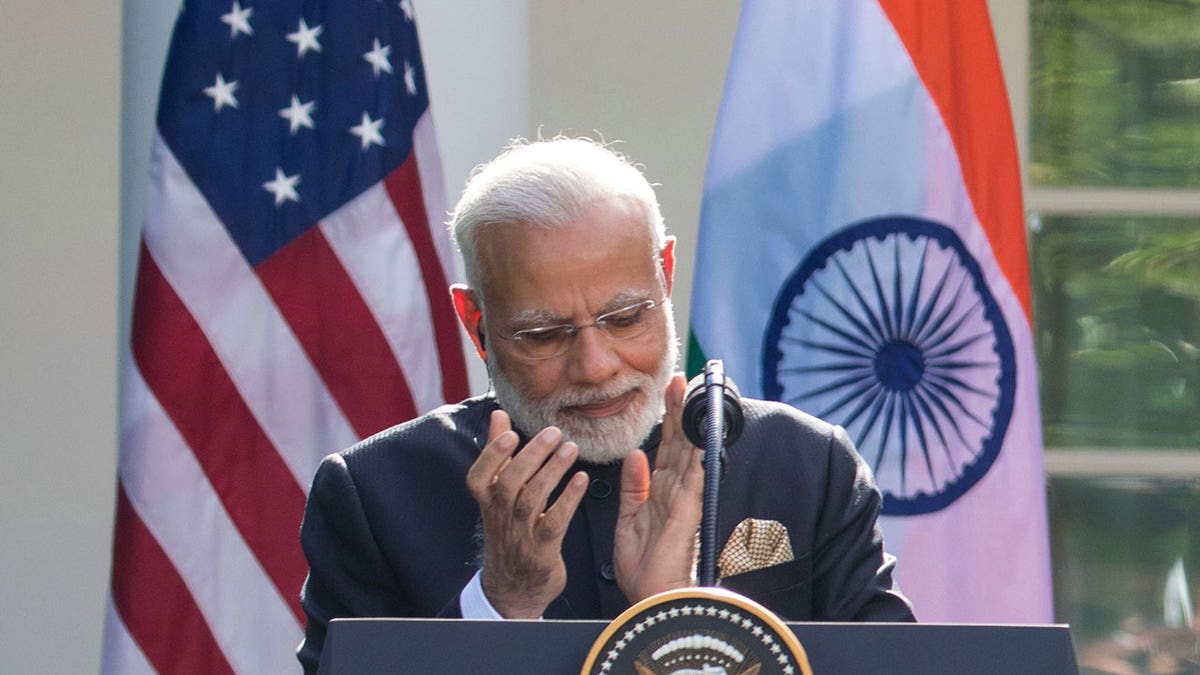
(547, 342)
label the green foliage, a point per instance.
(1115, 93)
(1117, 308)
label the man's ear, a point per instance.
(466, 305)
(666, 259)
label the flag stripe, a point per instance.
(121, 653)
(404, 187)
(167, 489)
(257, 348)
(156, 599)
(433, 191)
(973, 103)
(371, 243)
(258, 491)
(338, 332)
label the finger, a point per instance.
(635, 484)
(530, 459)
(674, 449)
(693, 476)
(532, 499)
(502, 441)
(558, 516)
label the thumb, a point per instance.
(635, 483)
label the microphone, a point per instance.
(695, 409)
(712, 419)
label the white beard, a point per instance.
(604, 440)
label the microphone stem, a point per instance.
(714, 376)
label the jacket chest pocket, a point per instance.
(785, 589)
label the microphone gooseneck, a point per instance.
(712, 418)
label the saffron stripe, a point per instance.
(404, 188)
(258, 491)
(338, 332)
(151, 597)
(954, 51)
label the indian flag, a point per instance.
(862, 257)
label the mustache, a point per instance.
(589, 396)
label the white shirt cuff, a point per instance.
(474, 604)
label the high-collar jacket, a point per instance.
(390, 529)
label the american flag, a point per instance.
(291, 298)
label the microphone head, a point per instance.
(695, 411)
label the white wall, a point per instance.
(59, 116)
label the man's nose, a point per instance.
(593, 358)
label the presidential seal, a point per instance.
(697, 631)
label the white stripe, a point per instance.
(433, 188)
(255, 344)
(370, 241)
(122, 656)
(775, 40)
(433, 184)
(251, 622)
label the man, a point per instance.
(538, 500)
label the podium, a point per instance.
(354, 646)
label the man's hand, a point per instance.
(654, 546)
(523, 569)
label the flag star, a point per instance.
(305, 38)
(238, 20)
(283, 187)
(368, 131)
(298, 114)
(378, 58)
(410, 79)
(407, 8)
(222, 93)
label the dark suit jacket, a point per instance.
(390, 529)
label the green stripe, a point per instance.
(695, 355)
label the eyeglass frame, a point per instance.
(572, 330)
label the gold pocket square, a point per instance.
(755, 544)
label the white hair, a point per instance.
(547, 183)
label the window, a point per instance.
(1113, 189)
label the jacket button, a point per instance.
(600, 488)
(608, 572)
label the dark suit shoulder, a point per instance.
(774, 412)
(449, 428)
(779, 432)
